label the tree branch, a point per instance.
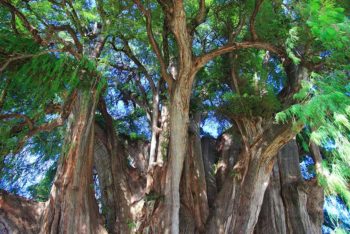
(18, 116)
(33, 31)
(24, 56)
(46, 127)
(258, 4)
(127, 50)
(153, 42)
(277, 136)
(67, 28)
(204, 59)
(13, 23)
(200, 17)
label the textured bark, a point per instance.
(238, 204)
(290, 205)
(153, 149)
(209, 155)
(153, 211)
(272, 215)
(303, 200)
(179, 120)
(194, 208)
(72, 206)
(114, 189)
(229, 147)
(180, 92)
(19, 215)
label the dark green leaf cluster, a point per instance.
(236, 106)
(41, 190)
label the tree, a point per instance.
(252, 59)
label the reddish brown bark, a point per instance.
(72, 206)
(19, 215)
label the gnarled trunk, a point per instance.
(72, 206)
(110, 164)
(238, 203)
(209, 155)
(291, 205)
(194, 208)
(154, 193)
(179, 120)
(19, 215)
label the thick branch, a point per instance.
(258, 4)
(127, 50)
(204, 59)
(154, 43)
(24, 56)
(277, 136)
(200, 17)
(33, 31)
(27, 120)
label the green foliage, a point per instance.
(290, 44)
(131, 224)
(328, 23)
(327, 112)
(236, 106)
(153, 197)
(41, 190)
(13, 44)
(314, 32)
(329, 28)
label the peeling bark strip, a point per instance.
(291, 205)
(72, 206)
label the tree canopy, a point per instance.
(275, 66)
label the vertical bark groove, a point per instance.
(72, 193)
(291, 205)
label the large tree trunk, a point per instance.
(272, 218)
(72, 206)
(291, 205)
(209, 155)
(19, 215)
(238, 204)
(110, 164)
(154, 142)
(194, 208)
(179, 121)
(154, 198)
